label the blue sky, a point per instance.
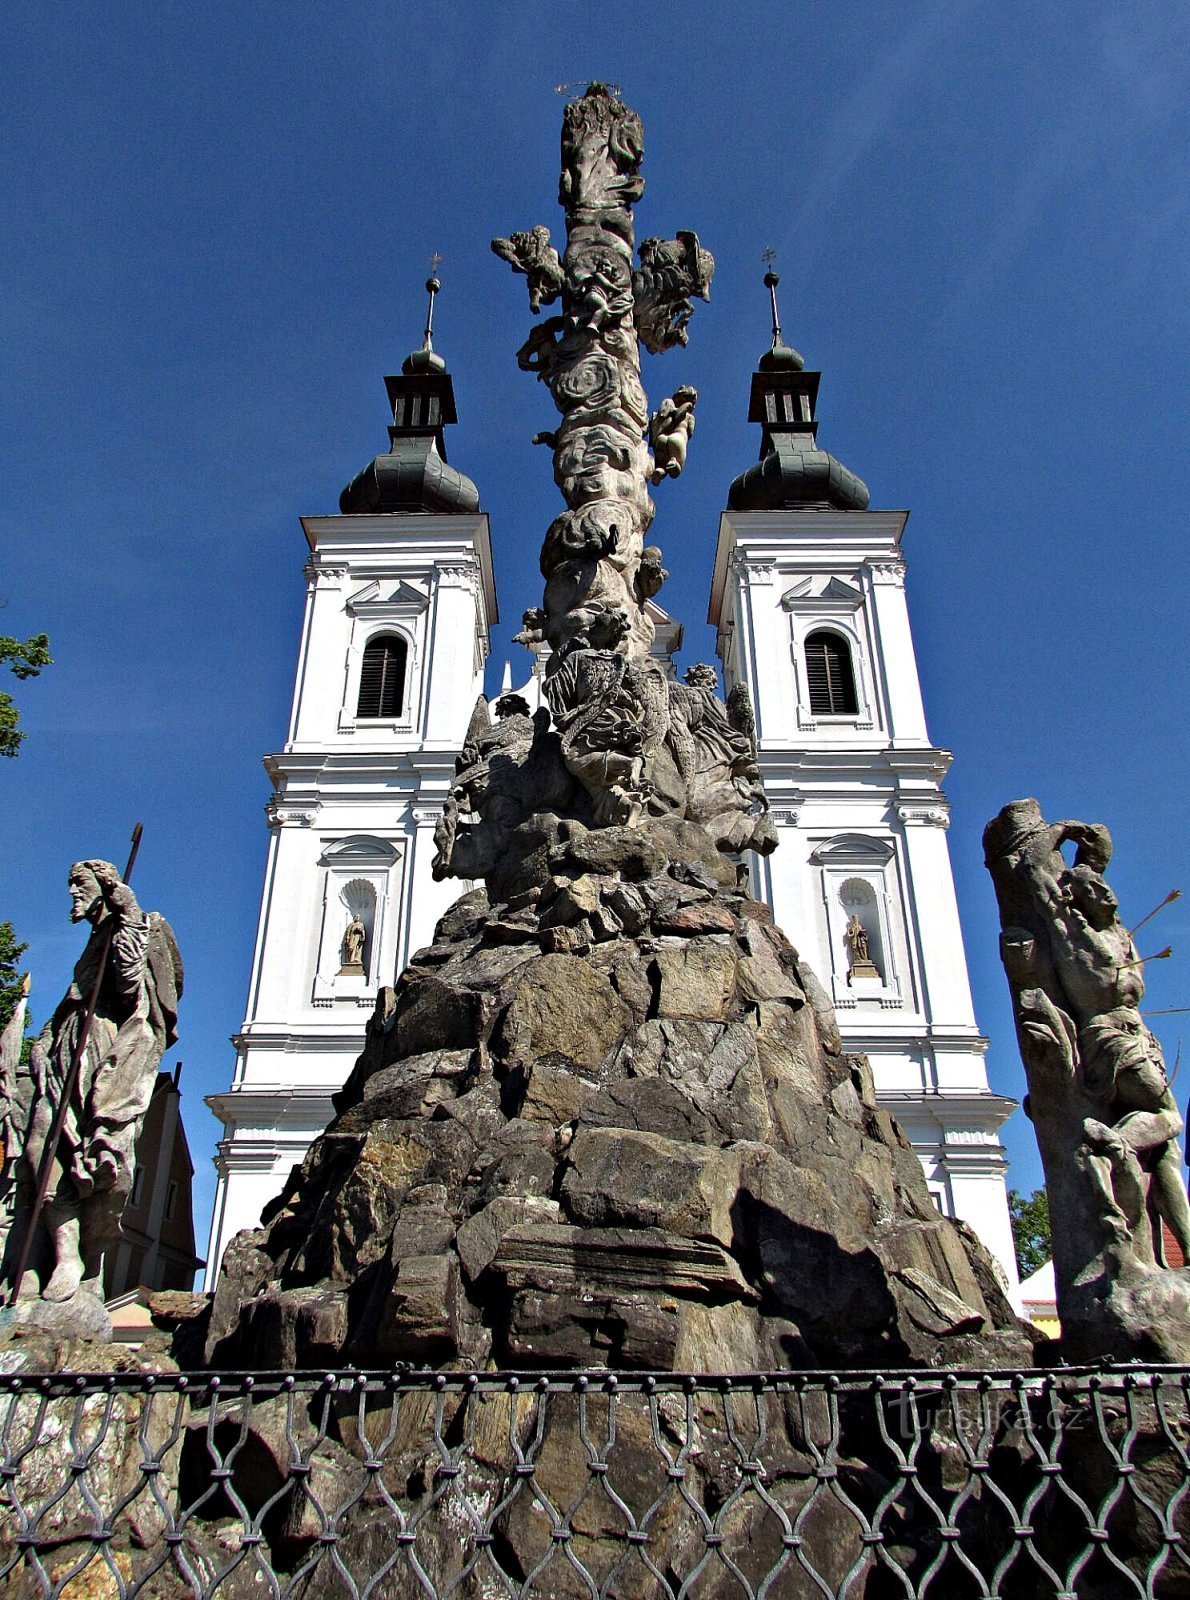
(217, 222)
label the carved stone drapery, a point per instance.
(1107, 1125)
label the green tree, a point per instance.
(24, 659)
(1030, 1229)
(11, 978)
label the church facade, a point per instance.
(808, 596)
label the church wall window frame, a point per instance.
(837, 682)
(360, 873)
(384, 676)
(846, 866)
(371, 614)
(366, 633)
(831, 605)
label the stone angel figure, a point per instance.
(531, 253)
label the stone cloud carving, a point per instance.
(1099, 1098)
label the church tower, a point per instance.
(808, 596)
(400, 599)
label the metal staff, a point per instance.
(49, 1154)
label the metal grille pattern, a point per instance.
(941, 1485)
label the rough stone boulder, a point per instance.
(609, 1121)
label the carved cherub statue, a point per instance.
(531, 253)
(670, 429)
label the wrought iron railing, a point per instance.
(383, 1485)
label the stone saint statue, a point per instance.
(1106, 1121)
(855, 936)
(352, 949)
(135, 1021)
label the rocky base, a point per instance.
(84, 1316)
(610, 1122)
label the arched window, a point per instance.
(382, 677)
(830, 676)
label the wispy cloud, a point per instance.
(867, 111)
(1135, 79)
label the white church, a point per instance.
(808, 596)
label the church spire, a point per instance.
(792, 470)
(414, 475)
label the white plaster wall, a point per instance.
(873, 779)
(351, 798)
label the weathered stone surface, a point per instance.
(564, 1007)
(618, 1177)
(420, 1321)
(547, 1256)
(110, 1433)
(692, 919)
(652, 1105)
(627, 851)
(435, 1015)
(551, 1089)
(696, 979)
(479, 1237)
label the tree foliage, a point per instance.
(24, 659)
(1030, 1229)
(12, 982)
(11, 979)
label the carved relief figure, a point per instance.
(718, 766)
(505, 772)
(670, 272)
(135, 1021)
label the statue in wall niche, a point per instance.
(352, 949)
(1099, 1097)
(134, 1023)
(859, 947)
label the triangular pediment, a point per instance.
(400, 597)
(822, 587)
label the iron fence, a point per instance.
(625, 1485)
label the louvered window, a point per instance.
(830, 676)
(382, 677)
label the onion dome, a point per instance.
(415, 474)
(792, 470)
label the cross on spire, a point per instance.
(432, 287)
(771, 280)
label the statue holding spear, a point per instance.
(92, 1073)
